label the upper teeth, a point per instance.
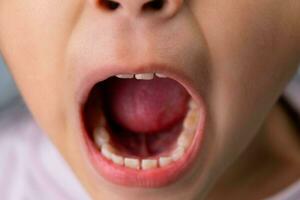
(146, 76)
(142, 76)
(125, 75)
(160, 75)
(102, 140)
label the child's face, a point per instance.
(234, 57)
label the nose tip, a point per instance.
(164, 8)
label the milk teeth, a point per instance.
(132, 163)
(192, 105)
(164, 161)
(125, 75)
(178, 153)
(160, 75)
(119, 160)
(101, 136)
(107, 151)
(145, 76)
(185, 139)
(149, 164)
(191, 120)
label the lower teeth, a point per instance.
(102, 140)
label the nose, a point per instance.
(162, 8)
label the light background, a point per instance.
(8, 90)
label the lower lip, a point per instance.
(152, 178)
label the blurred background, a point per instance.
(8, 90)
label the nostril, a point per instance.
(109, 5)
(154, 5)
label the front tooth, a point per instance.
(107, 151)
(149, 164)
(160, 75)
(178, 153)
(145, 76)
(125, 75)
(101, 136)
(164, 161)
(119, 160)
(132, 163)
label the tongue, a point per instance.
(146, 106)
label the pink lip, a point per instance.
(141, 178)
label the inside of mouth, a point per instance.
(143, 117)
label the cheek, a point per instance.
(33, 46)
(253, 58)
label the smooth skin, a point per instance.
(239, 53)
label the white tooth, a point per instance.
(149, 164)
(160, 75)
(164, 161)
(132, 163)
(119, 160)
(107, 151)
(125, 75)
(178, 153)
(192, 104)
(145, 76)
(185, 139)
(101, 136)
(191, 120)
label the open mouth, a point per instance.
(142, 129)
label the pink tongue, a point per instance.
(146, 106)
